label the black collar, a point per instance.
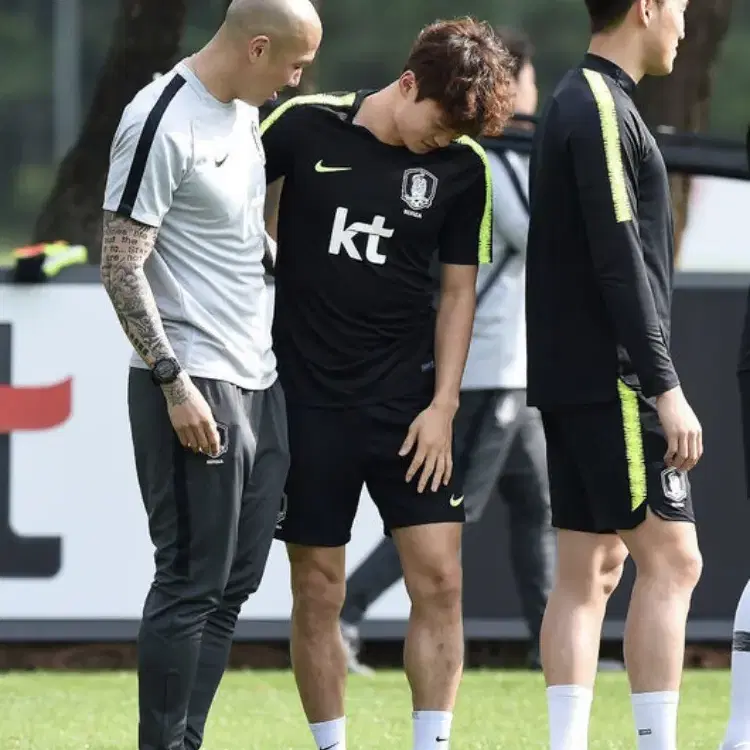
(608, 68)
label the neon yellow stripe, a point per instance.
(325, 99)
(485, 228)
(631, 421)
(611, 137)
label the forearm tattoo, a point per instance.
(126, 245)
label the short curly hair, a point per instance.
(463, 66)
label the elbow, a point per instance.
(458, 301)
(463, 292)
(458, 287)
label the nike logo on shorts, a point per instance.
(320, 167)
(456, 501)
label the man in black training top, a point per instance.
(374, 183)
(498, 440)
(620, 435)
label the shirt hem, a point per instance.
(247, 384)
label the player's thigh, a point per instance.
(262, 499)
(569, 501)
(399, 502)
(192, 500)
(589, 563)
(481, 449)
(325, 476)
(667, 549)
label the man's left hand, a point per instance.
(432, 434)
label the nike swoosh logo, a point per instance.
(220, 162)
(320, 167)
(455, 502)
(330, 747)
(442, 739)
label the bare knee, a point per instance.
(589, 565)
(318, 583)
(679, 565)
(436, 586)
(666, 552)
(432, 567)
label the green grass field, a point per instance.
(260, 711)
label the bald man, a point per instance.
(184, 242)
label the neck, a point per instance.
(212, 65)
(376, 114)
(622, 49)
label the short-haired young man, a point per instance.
(499, 441)
(620, 435)
(374, 183)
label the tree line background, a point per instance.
(123, 42)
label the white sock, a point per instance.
(569, 710)
(738, 728)
(655, 716)
(432, 729)
(330, 735)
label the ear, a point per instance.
(644, 10)
(258, 46)
(407, 84)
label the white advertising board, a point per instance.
(77, 481)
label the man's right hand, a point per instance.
(682, 429)
(191, 416)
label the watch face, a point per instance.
(165, 369)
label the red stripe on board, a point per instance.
(34, 407)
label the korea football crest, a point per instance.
(674, 486)
(223, 432)
(418, 190)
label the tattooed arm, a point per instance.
(125, 249)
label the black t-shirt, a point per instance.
(359, 223)
(600, 252)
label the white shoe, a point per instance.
(350, 634)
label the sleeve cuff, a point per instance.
(660, 385)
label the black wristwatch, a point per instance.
(165, 371)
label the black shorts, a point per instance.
(334, 454)
(606, 466)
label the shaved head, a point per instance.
(279, 20)
(262, 47)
